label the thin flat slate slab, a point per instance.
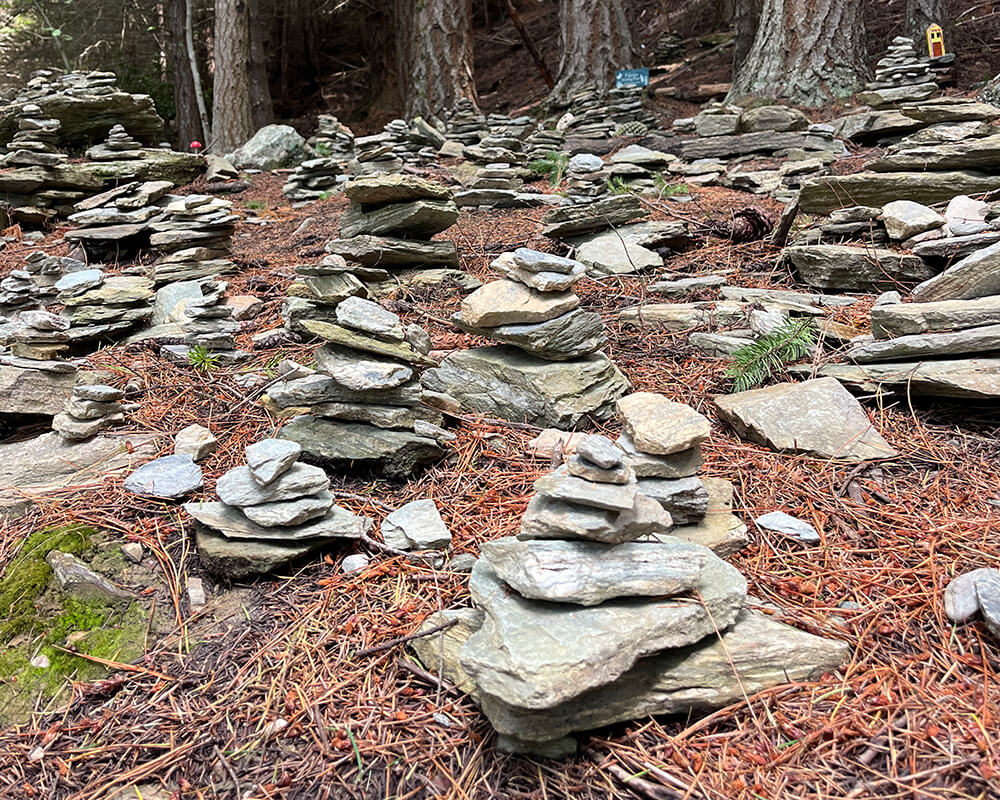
(901, 319)
(560, 485)
(961, 378)
(659, 426)
(830, 192)
(337, 523)
(241, 559)
(976, 275)
(587, 573)
(693, 680)
(388, 251)
(506, 302)
(546, 518)
(418, 523)
(169, 477)
(337, 334)
(819, 417)
(572, 335)
(863, 269)
(536, 655)
(928, 345)
(377, 190)
(238, 487)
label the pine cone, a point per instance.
(749, 224)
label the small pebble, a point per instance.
(354, 563)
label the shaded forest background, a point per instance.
(338, 56)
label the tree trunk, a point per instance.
(192, 55)
(434, 38)
(744, 16)
(920, 15)
(807, 52)
(232, 106)
(595, 40)
(186, 119)
(262, 110)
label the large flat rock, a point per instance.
(976, 275)
(578, 220)
(378, 190)
(536, 655)
(819, 417)
(695, 679)
(862, 269)
(901, 319)
(388, 251)
(959, 378)
(741, 144)
(508, 384)
(928, 345)
(830, 192)
(418, 218)
(683, 316)
(34, 391)
(982, 154)
(572, 335)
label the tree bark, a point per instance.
(192, 55)
(807, 52)
(186, 121)
(595, 40)
(434, 38)
(262, 110)
(744, 16)
(920, 15)
(232, 106)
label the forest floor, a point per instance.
(295, 687)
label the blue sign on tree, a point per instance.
(629, 78)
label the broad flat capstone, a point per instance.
(536, 654)
(693, 680)
(368, 317)
(546, 518)
(561, 486)
(168, 477)
(387, 251)
(337, 523)
(240, 559)
(611, 253)
(677, 465)
(586, 573)
(269, 459)
(659, 426)
(238, 488)
(819, 417)
(377, 190)
(863, 269)
(578, 220)
(928, 345)
(572, 335)
(290, 512)
(507, 383)
(353, 371)
(506, 302)
(420, 524)
(902, 319)
(976, 275)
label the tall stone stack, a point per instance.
(548, 369)
(594, 614)
(118, 145)
(34, 144)
(495, 185)
(207, 324)
(544, 142)
(363, 408)
(18, 292)
(38, 335)
(376, 154)
(100, 305)
(619, 113)
(316, 177)
(466, 124)
(195, 237)
(900, 77)
(269, 513)
(586, 178)
(333, 139)
(91, 409)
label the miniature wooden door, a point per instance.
(935, 41)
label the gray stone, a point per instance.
(272, 147)
(561, 486)
(552, 519)
(685, 498)
(419, 219)
(580, 467)
(357, 447)
(169, 477)
(33, 391)
(578, 220)
(741, 144)
(587, 573)
(419, 524)
(773, 118)
(780, 522)
(818, 416)
(239, 559)
(707, 124)
(76, 578)
(196, 442)
(961, 601)
(290, 512)
(659, 426)
(966, 216)
(900, 319)
(976, 275)
(824, 194)
(315, 389)
(98, 393)
(988, 592)
(979, 153)
(536, 654)
(385, 251)
(133, 551)
(904, 219)
(228, 521)
(684, 287)
(684, 316)
(405, 418)
(355, 372)
(335, 334)
(611, 253)
(643, 156)
(676, 465)
(833, 266)
(953, 247)
(928, 345)
(78, 282)
(543, 281)
(355, 562)
(506, 302)
(719, 530)
(378, 190)
(269, 459)
(572, 335)
(506, 383)
(963, 378)
(601, 451)
(238, 487)
(368, 317)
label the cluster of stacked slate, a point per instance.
(593, 116)
(465, 124)
(34, 144)
(543, 143)
(91, 409)
(900, 77)
(270, 512)
(195, 234)
(208, 324)
(317, 177)
(99, 305)
(118, 145)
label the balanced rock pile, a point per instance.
(900, 77)
(195, 235)
(581, 621)
(362, 408)
(35, 142)
(333, 139)
(592, 118)
(543, 143)
(495, 185)
(271, 512)
(39, 335)
(100, 305)
(586, 178)
(549, 370)
(114, 224)
(91, 410)
(18, 292)
(207, 324)
(315, 177)
(117, 145)
(466, 124)
(377, 154)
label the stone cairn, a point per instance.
(382, 152)
(39, 335)
(34, 144)
(498, 181)
(389, 225)
(543, 142)
(596, 606)
(18, 292)
(195, 236)
(270, 512)
(114, 224)
(362, 408)
(91, 409)
(316, 177)
(100, 305)
(900, 76)
(118, 145)
(207, 323)
(550, 371)
(586, 178)
(590, 117)
(466, 125)
(635, 166)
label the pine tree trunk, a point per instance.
(186, 120)
(595, 40)
(435, 59)
(744, 15)
(807, 52)
(262, 110)
(232, 106)
(920, 15)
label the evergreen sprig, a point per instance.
(552, 165)
(757, 362)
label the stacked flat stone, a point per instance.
(39, 335)
(544, 142)
(636, 165)
(319, 288)
(493, 149)
(466, 124)
(495, 185)
(549, 369)
(100, 305)
(389, 225)
(207, 323)
(419, 143)
(900, 76)
(588, 118)
(18, 292)
(91, 410)
(270, 512)
(506, 127)
(669, 47)
(362, 409)
(376, 154)
(316, 177)
(586, 178)
(115, 224)
(195, 236)
(118, 145)
(333, 139)
(35, 142)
